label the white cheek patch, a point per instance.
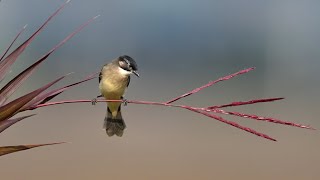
(124, 72)
(121, 63)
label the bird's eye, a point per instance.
(124, 65)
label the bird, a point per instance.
(114, 79)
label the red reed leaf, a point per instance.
(11, 149)
(14, 40)
(210, 84)
(77, 101)
(9, 122)
(240, 103)
(10, 59)
(231, 123)
(45, 97)
(13, 107)
(260, 118)
(14, 84)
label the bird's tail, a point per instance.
(114, 126)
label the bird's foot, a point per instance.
(94, 101)
(125, 102)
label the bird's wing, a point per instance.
(128, 81)
(100, 76)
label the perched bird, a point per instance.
(114, 79)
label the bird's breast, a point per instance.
(111, 89)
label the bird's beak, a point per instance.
(135, 73)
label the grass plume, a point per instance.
(210, 111)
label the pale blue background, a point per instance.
(178, 45)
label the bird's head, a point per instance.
(128, 64)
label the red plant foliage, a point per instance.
(206, 111)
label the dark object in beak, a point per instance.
(135, 73)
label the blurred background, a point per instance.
(178, 45)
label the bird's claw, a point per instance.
(125, 102)
(94, 101)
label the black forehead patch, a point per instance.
(130, 61)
